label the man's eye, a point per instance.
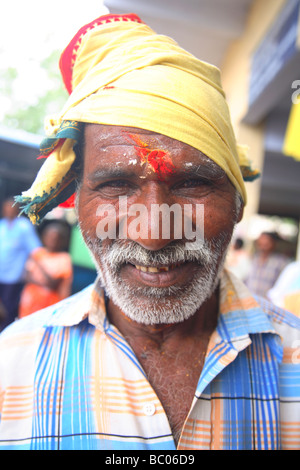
(114, 184)
(116, 187)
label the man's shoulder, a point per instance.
(23, 222)
(59, 314)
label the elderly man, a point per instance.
(166, 350)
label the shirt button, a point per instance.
(149, 409)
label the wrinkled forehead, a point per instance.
(131, 144)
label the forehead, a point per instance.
(122, 146)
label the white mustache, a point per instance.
(124, 252)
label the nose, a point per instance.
(153, 220)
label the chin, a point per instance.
(172, 303)
(156, 306)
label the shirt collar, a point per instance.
(240, 312)
(240, 316)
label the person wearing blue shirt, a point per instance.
(18, 239)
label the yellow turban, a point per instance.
(120, 72)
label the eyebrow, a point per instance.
(210, 172)
(107, 173)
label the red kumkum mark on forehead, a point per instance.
(159, 160)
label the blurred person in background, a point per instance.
(286, 290)
(48, 271)
(266, 264)
(238, 259)
(2, 312)
(18, 239)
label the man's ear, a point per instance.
(240, 213)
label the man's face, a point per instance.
(265, 243)
(152, 274)
(9, 210)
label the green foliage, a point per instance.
(30, 116)
(7, 78)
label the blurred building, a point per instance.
(261, 75)
(18, 161)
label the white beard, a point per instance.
(157, 305)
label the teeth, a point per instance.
(154, 269)
(151, 269)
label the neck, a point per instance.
(203, 322)
(264, 254)
(172, 356)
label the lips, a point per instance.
(137, 275)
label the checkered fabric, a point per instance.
(69, 380)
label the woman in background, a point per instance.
(49, 272)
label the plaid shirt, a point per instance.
(69, 380)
